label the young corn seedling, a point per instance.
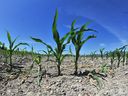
(112, 57)
(93, 55)
(107, 54)
(38, 61)
(6, 56)
(48, 53)
(22, 53)
(3, 52)
(12, 48)
(126, 58)
(33, 56)
(60, 43)
(118, 54)
(123, 53)
(0, 43)
(2, 46)
(78, 42)
(104, 69)
(102, 52)
(95, 80)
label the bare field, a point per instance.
(23, 82)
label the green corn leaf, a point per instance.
(9, 38)
(13, 42)
(102, 49)
(44, 51)
(40, 41)
(79, 36)
(19, 45)
(54, 28)
(72, 25)
(36, 40)
(32, 49)
(62, 57)
(49, 50)
(38, 59)
(1, 43)
(83, 27)
(65, 37)
(82, 30)
(92, 30)
(123, 48)
(89, 37)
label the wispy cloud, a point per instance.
(124, 42)
(67, 26)
(109, 19)
(102, 44)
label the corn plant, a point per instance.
(93, 75)
(60, 43)
(123, 53)
(93, 55)
(0, 43)
(12, 48)
(104, 68)
(3, 55)
(48, 53)
(33, 56)
(3, 52)
(2, 46)
(118, 54)
(112, 57)
(102, 52)
(6, 56)
(23, 52)
(78, 42)
(126, 58)
(38, 61)
(107, 54)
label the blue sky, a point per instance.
(25, 18)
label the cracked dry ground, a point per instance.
(25, 83)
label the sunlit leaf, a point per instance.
(54, 28)
(9, 38)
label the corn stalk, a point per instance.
(40, 73)
(118, 54)
(102, 52)
(112, 57)
(78, 42)
(107, 54)
(12, 48)
(123, 53)
(93, 55)
(126, 58)
(60, 43)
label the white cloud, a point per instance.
(67, 26)
(124, 42)
(102, 44)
